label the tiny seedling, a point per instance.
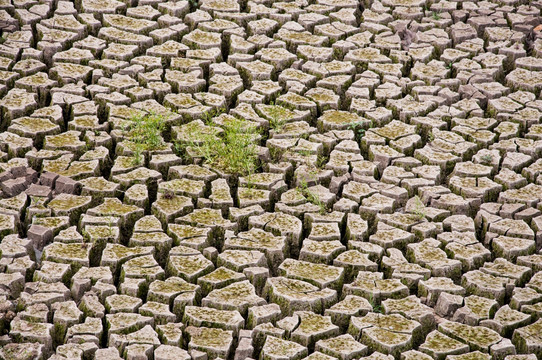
(110, 226)
(321, 161)
(304, 152)
(419, 208)
(486, 159)
(37, 201)
(358, 129)
(377, 308)
(86, 236)
(312, 197)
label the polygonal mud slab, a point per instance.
(292, 295)
(389, 334)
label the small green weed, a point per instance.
(208, 116)
(233, 152)
(145, 132)
(312, 197)
(110, 225)
(486, 159)
(38, 202)
(377, 308)
(321, 161)
(419, 208)
(86, 237)
(277, 117)
(358, 129)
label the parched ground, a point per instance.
(388, 206)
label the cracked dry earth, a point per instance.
(395, 212)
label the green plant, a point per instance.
(87, 147)
(137, 158)
(377, 308)
(277, 119)
(358, 129)
(147, 130)
(37, 201)
(250, 182)
(144, 131)
(208, 116)
(326, 107)
(486, 159)
(86, 236)
(276, 153)
(304, 152)
(436, 15)
(312, 197)
(233, 151)
(110, 225)
(321, 161)
(419, 208)
(313, 173)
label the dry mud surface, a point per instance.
(386, 202)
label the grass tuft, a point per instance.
(233, 151)
(145, 132)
